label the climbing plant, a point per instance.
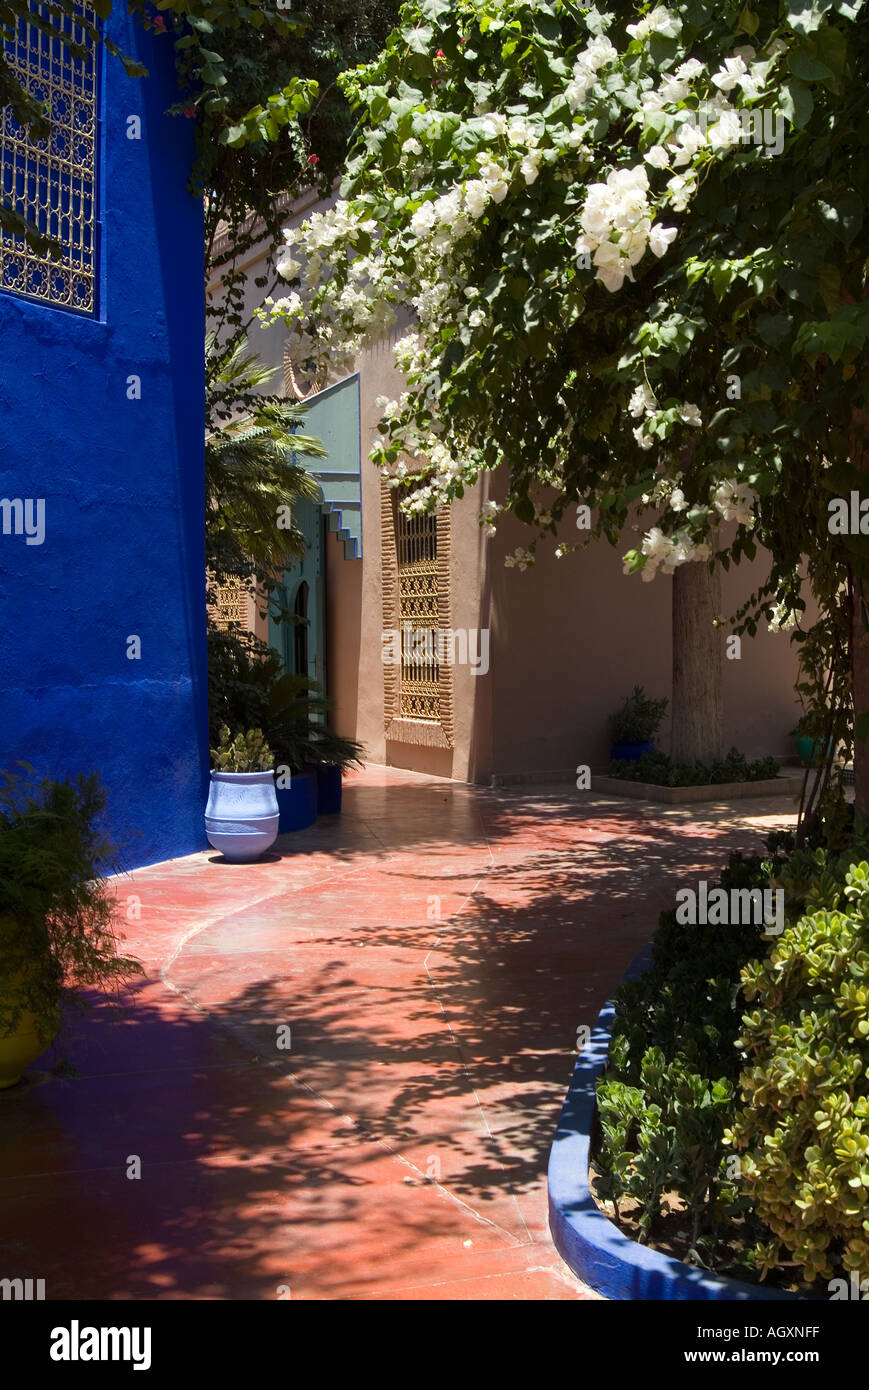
(635, 247)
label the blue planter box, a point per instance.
(631, 752)
(328, 791)
(297, 803)
(585, 1238)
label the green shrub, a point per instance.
(248, 688)
(657, 768)
(762, 1115)
(638, 718)
(57, 914)
(803, 1130)
(668, 1091)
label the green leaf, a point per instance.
(797, 104)
(830, 287)
(804, 16)
(772, 329)
(420, 40)
(803, 64)
(436, 10)
(845, 216)
(748, 21)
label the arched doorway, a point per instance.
(299, 638)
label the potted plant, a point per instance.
(332, 756)
(248, 687)
(634, 725)
(811, 750)
(56, 912)
(241, 818)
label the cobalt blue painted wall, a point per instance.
(123, 486)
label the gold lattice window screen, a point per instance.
(233, 604)
(52, 182)
(416, 545)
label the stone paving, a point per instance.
(426, 960)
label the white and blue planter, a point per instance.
(241, 818)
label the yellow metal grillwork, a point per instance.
(416, 544)
(232, 604)
(52, 182)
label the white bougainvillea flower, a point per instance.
(726, 131)
(520, 559)
(612, 267)
(734, 502)
(781, 618)
(476, 197)
(681, 188)
(690, 69)
(642, 401)
(689, 140)
(660, 238)
(673, 90)
(287, 266)
(658, 21)
(658, 157)
(423, 220)
(730, 74)
(691, 414)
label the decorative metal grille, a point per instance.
(416, 545)
(52, 182)
(233, 604)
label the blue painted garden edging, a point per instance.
(593, 1247)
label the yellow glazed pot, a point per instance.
(30, 1036)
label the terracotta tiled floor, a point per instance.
(433, 952)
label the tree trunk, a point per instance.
(697, 705)
(860, 688)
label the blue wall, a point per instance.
(123, 486)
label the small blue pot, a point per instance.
(631, 752)
(297, 803)
(328, 791)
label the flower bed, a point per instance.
(657, 768)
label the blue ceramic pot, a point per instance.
(631, 752)
(328, 791)
(298, 803)
(241, 818)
